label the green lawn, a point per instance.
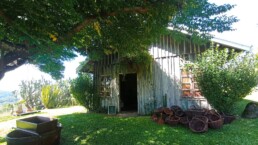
(4, 118)
(101, 129)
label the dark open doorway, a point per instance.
(128, 92)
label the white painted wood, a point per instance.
(165, 80)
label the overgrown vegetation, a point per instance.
(225, 77)
(82, 91)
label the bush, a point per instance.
(82, 91)
(30, 92)
(49, 96)
(225, 77)
(64, 97)
(57, 95)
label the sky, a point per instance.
(247, 28)
(12, 79)
(246, 33)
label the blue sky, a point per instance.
(246, 33)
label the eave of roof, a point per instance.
(225, 42)
(232, 44)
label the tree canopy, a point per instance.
(47, 32)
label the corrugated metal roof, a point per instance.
(225, 42)
(232, 44)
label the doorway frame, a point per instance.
(120, 98)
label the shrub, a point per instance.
(49, 96)
(64, 97)
(57, 95)
(30, 92)
(225, 77)
(82, 90)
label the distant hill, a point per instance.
(7, 97)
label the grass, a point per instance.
(4, 118)
(98, 129)
(2, 140)
(101, 129)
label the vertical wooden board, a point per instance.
(164, 80)
(177, 80)
(115, 93)
(181, 48)
(158, 91)
(148, 93)
(144, 93)
(163, 50)
(159, 81)
(184, 47)
(169, 91)
(167, 81)
(141, 97)
(178, 48)
(140, 94)
(172, 81)
(187, 47)
(157, 84)
(170, 53)
(156, 50)
(139, 85)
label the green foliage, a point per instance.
(225, 77)
(82, 91)
(199, 15)
(36, 92)
(49, 96)
(138, 60)
(52, 31)
(51, 61)
(64, 97)
(57, 95)
(30, 91)
(2, 140)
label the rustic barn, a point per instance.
(127, 90)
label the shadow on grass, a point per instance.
(102, 129)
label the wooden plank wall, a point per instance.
(108, 67)
(169, 55)
(164, 88)
(166, 72)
